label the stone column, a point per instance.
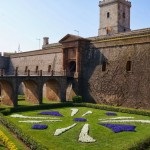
(63, 87)
(77, 62)
(40, 93)
(16, 84)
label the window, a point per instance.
(128, 65)
(123, 15)
(26, 69)
(108, 14)
(124, 30)
(104, 66)
(49, 68)
(37, 68)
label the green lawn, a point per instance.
(23, 102)
(105, 138)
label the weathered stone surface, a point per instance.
(114, 16)
(116, 85)
(42, 60)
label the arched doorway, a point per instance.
(72, 67)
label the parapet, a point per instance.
(107, 2)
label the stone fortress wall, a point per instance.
(4, 62)
(45, 60)
(118, 70)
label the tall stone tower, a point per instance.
(114, 16)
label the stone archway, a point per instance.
(51, 90)
(31, 91)
(72, 66)
(6, 93)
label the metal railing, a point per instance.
(37, 73)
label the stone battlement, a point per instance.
(108, 2)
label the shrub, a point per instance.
(77, 99)
(114, 109)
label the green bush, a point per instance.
(8, 111)
(117, 109)
(77, 99)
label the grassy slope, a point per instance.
(106, 139)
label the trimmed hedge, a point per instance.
(33, 145)
(8, 111)
(111, 108)
(77, 99)
(141, 145)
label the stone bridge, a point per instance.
(52, 87)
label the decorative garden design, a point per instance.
(109, 122)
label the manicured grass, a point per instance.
(105, 138)
(23, 102)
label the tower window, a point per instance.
(104, 66)
(108, 14)
(124, 16)
(49, 68)
(128, 65)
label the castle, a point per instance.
(112, 68)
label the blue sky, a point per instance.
(23, 22)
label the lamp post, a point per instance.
(77, 32)
(39, 42)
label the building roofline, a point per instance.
(128, 34)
